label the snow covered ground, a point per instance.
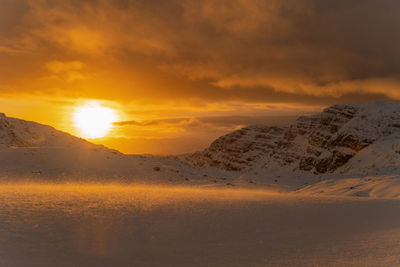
(112, 225)
(383, 186)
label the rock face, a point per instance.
(320, 143)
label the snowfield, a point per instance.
(370, 186)
(113, 225)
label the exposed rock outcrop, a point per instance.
(320, 143)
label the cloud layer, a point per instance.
(286, 51)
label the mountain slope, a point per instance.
(21, 133)
(334, 140)
(32, 150)
(381, 186)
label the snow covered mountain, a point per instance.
(35, 151)
(348, 139)
(319, 151)
(20, 133)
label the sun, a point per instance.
(94, 120)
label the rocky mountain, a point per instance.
(356, 140)
(346, 138)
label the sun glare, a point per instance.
(94, 121)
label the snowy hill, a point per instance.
(353, 139)
(32, 150)
(20, 133)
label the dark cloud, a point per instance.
(153, 122)
(215, 121)
(291, 51)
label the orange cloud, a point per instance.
(69, 71)
(200, 49)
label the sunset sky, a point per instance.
(180, 73)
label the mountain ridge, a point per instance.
(320, 143)
(346, 141)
